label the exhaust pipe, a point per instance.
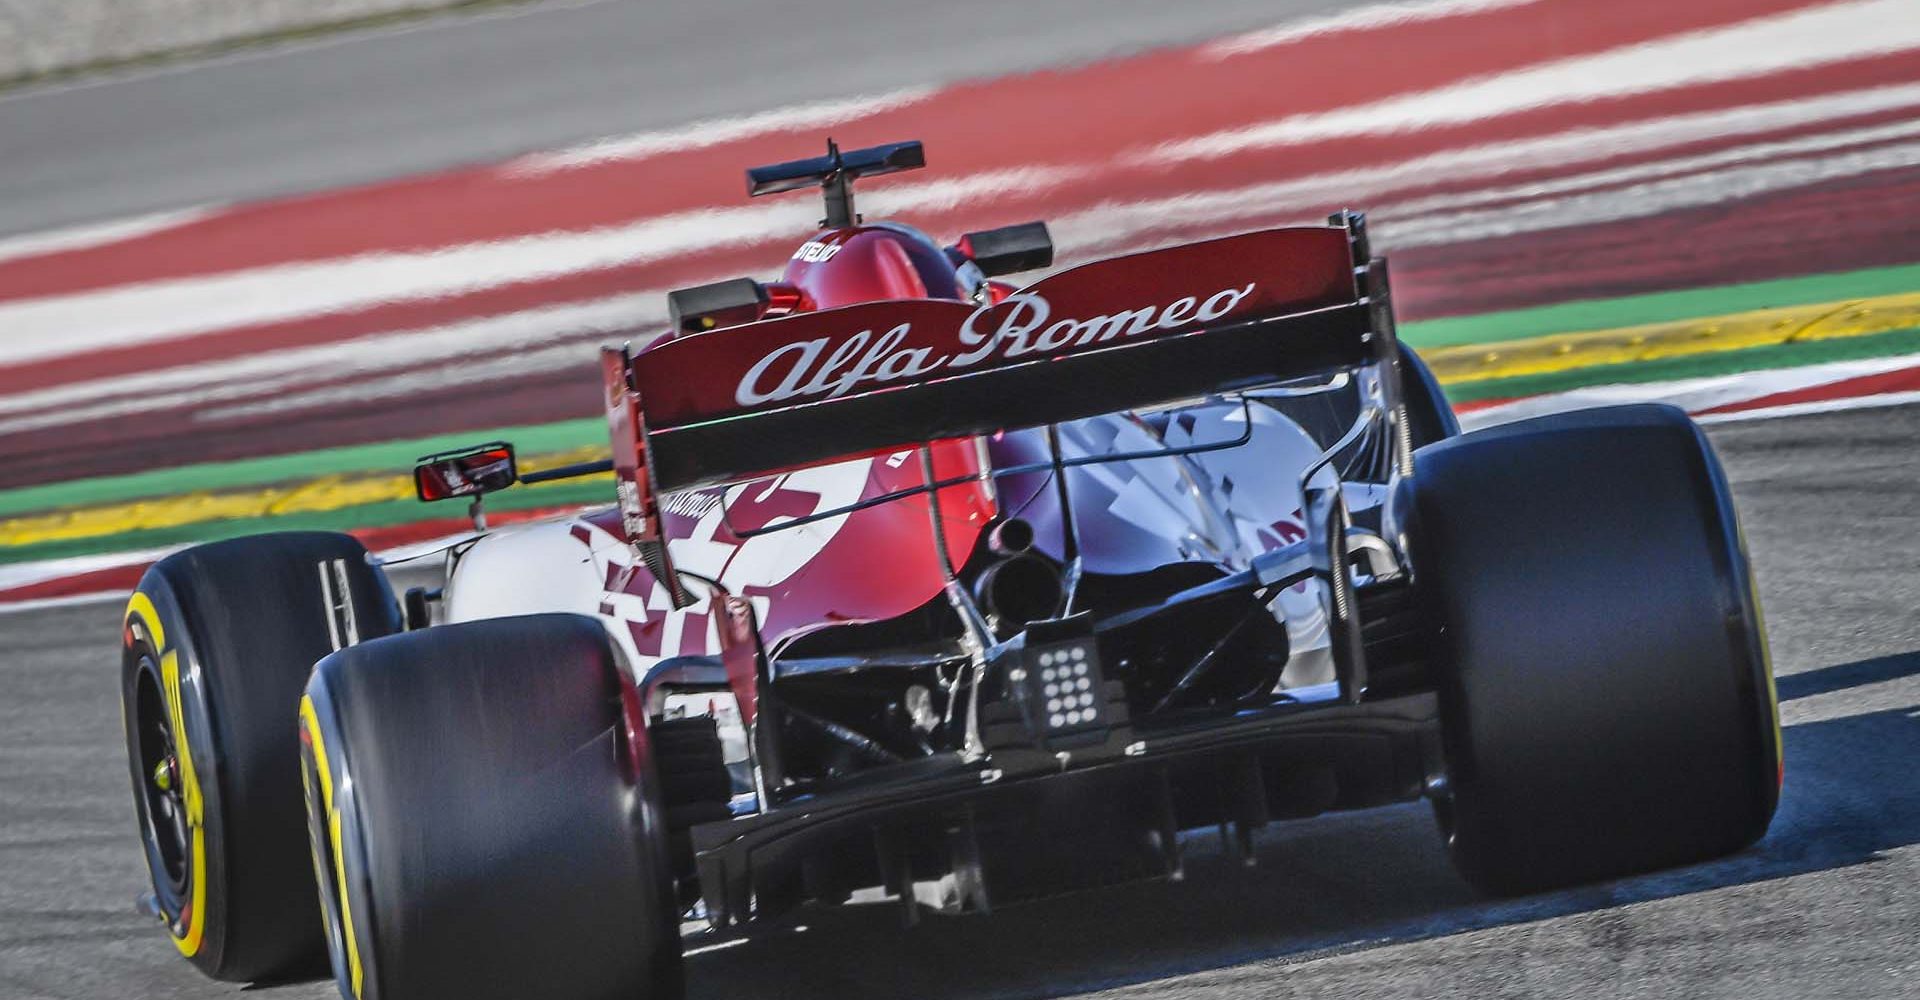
(1019, 589)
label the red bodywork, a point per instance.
(843, 582)
(886, 367)
(882, 309)
(871, 264)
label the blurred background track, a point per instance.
(1513, 153)
(483, 86)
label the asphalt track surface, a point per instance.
(367, 106)
(1361, 904)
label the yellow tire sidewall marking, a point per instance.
(140, 607)
(323, 768)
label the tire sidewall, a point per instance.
(1748, 630)
(338, 846)
(153, 624)
(416, 700)
(243, 621)
(1494, 849)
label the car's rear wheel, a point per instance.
(217, 644)
(1607, 701)
(695, 788)
(483, 824)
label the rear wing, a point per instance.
(1123, 333)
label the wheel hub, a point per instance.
(165, 814)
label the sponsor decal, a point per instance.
(700, 531)
(1022, 325)
(694, 505)
(816, 253)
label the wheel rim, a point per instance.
(163, 811)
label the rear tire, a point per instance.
(1607, 701)
(481, 825)
(695, 787)
(217, 645)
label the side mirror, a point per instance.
(468, 472)
(723, 303)
(1009, 249)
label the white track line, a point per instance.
(16, 575)
(1114, 222)
(99, 234)
(1798, 40)
(1373, 18)
(1692, 394)
(714, 131)
(1744, 171)
(825, 114)
(131, 316)
(1639, 201)
(408, 384)
(27, 574)
(1760, 152)
(1737, 181)
(142, 314)
(1099, 231)
(69, 601)
(137, 314)
(558, 337)
(271, 372)
(1872, 402)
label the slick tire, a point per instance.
(484, 826)
(694, 784)
(1607, 703)
(217, 644)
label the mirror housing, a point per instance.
(722, 303)
(1008, 249)
(467, 472)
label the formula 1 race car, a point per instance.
(933, 591)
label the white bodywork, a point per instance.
(1222, 506)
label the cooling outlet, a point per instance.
(1018, 590)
